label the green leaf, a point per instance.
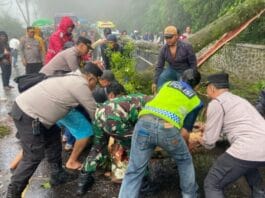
(46, 185)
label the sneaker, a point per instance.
(68, 147)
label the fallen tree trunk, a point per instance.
(229, 21)
(224, 39)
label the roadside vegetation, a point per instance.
(4, 130)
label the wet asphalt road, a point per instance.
(9, 145)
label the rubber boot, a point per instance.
(60, 175)
(85, 181)
(13, 192)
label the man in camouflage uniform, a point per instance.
(114, 118)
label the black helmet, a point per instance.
(192, 77)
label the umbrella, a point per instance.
(42, 22)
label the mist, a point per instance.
(141, 15)
(118, 11)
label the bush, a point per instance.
(4, 130)
(123, 66)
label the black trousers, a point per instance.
(6, 73)
(33, 68)
(228, 169)
(35, 147)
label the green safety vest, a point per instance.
(172, 103)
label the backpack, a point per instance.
(26, 81)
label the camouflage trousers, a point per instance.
(96, 158)
(116, 156)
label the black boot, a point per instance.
(85, 181)
(60, 175)
(13, 192)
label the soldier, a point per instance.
(116, 118)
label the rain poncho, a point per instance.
(59, 38)
(38, 37)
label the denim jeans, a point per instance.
(168, 74)
(228, 169)
(149, 132)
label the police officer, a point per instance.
(35, 113)
(162, 120)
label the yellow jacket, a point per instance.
(39, 38)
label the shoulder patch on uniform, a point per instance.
(177, 85)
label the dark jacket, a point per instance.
(185, 59)
(59, 38)
(5, 51)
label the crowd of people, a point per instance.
(159, 37)
(84, 98)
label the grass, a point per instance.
(4, 130)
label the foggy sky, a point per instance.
(91, 10)
(117, 11)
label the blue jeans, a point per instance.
(169, 74)
(150, 132)
(228, 169)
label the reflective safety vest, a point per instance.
(172, 103)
